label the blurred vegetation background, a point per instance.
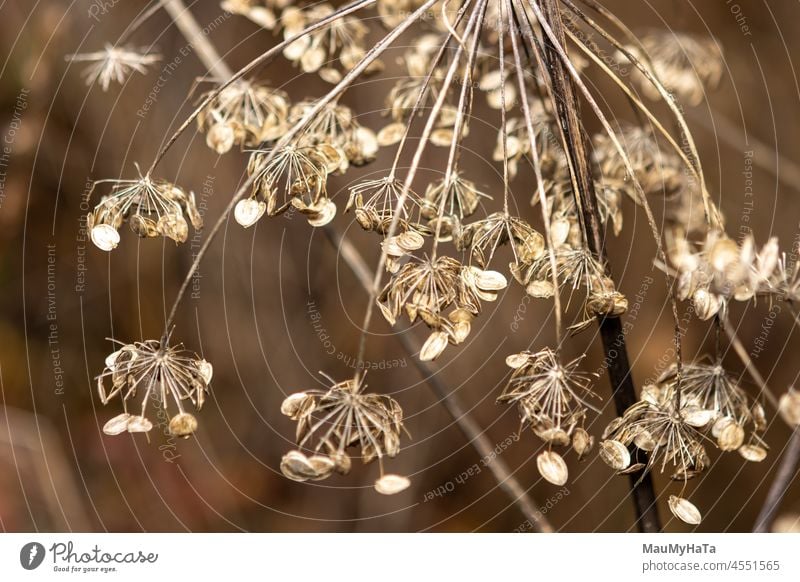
(275, 304)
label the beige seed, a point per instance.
(433, 346)
(139, 424)
(182, 425)
(247, 212)
(117, 425)
(517, 360)
(697, 417)
(684, 510)
(753, 453)
(540, 289)
(731, 437)
(615, 455)
(582, 442)
(552, 467)
(391, 484)
(105, 237)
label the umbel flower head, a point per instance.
(332, 421)
(114, 64)
(151, 208)
(427, 288)
(154, 374)
(552, 399)
(246, 113)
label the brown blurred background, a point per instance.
(260, 289)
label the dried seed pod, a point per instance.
(540, 289)
(697, 417)
(582, 442)
(615, 455)
(552, 467)
(433, 346)
(183, 425)
(731, 436)
(117, 425)
(753, 453)
(515, 361)
(139, 424)
(105, 237)
(296, 405)
(684, 510)
(390, 484)
(553, 436)
(296, 466)
(248, 211)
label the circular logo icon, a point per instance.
(31, 555)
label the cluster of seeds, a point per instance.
(151, 207)
(674, 418)
(244, 113)
(156, 373)
(720, 270)
(688, 65)
(552, 398)
(331, 422)
(459, 49)
(426, 288)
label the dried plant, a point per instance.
(455, 247)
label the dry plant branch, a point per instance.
(211, 59)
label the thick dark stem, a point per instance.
(619, 374)
(786, 474)
(614, 346)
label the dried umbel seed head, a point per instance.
(245, 113)
(151, 207)
(331, 421)
(454, 194)
(375, 203)
(552, 467)
(654, 426)
(291, 171)
(684, 510)
(551, 396)
(342, 43)
(482, 239)
(114, 64)
(686, 64)
(154, 372)
(714, 400)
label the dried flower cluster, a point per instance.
(450, 244)
(674, 418)
(552, 399)
(331, 422)
(156, 373)
(151, 207)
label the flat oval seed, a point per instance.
(615, 455)
(684, 510)
(391, 484)
(552, 467)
